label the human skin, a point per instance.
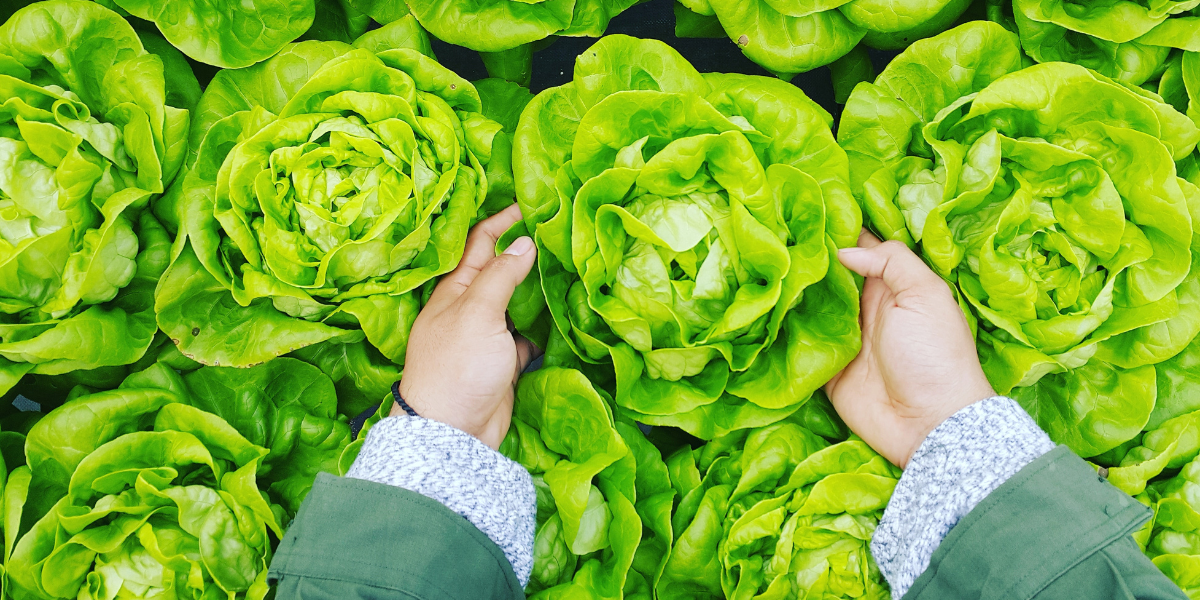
(918, 364)
(462, 360)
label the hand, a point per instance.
(918, 364)
(462, 360)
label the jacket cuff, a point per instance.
(960, 462)
(452, 467)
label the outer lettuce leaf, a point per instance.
(227, 33)
(329, 184)
(1064, 226)
(337, 21)
(383, 11)
(503, 31)
(690, 247)
(14, 491)
(776, 512)
(604, 494)
(503, 101)
(787, 38)
(1123, 39)
(90, 136)
(359, 372)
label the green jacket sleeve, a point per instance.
(1054, 530)
(359, 539)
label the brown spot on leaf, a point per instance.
(454, 86)
(743, 41)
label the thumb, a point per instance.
(494, 286)
(893, 262)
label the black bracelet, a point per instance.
(400, 400)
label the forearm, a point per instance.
(433, 459)
(989, 507)
(959, 464)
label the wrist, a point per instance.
(407, 401)
(947, 409)
(439, 406)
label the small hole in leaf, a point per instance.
(195, 331)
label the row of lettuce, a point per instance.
(1127, 40)
(290, 220)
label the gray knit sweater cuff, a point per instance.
(961, 461)
(448, 465)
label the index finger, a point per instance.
(480, 248)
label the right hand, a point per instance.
(918, 364)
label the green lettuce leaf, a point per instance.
(1123, 39)
(233, 34)
(787, 38)
(503, 31)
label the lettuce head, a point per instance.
(92, 131)
(328, 185)
(1049, 198)
(687, 226)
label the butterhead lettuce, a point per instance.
(776, 512)
(1050, 200)
(1174, 535)
(687, 226)
(329, 184)
(172, 484)
(603, 492)
(90, 135)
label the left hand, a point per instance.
(462, 361)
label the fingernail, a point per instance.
(522, 245)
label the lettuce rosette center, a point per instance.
(659, 245)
